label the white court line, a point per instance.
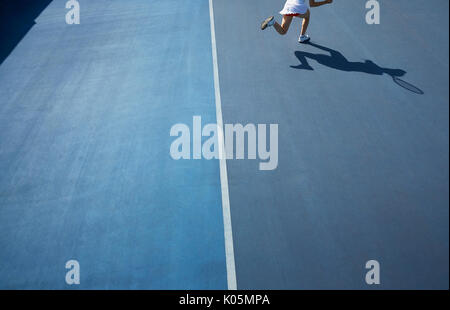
(229, 250)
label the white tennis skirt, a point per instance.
(295, 7)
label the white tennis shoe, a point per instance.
(268, 22)
(304, 38)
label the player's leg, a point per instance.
(303, 36)
(285, 24)
(305, 23)
(281, 29)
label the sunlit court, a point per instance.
(224, 145)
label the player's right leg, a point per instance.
(303, 36)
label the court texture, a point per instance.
(87, 175)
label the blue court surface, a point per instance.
(86, 112)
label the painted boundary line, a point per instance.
(229, 250)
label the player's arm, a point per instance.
(315, 3)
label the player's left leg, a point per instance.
(285, 24)
(281, 29)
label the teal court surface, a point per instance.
(86, 112)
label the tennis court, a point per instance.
(86, 112)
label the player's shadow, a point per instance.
(336, 60)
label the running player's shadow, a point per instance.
(338, 61)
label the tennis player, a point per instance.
(294, 8)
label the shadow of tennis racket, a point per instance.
(407, 85)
